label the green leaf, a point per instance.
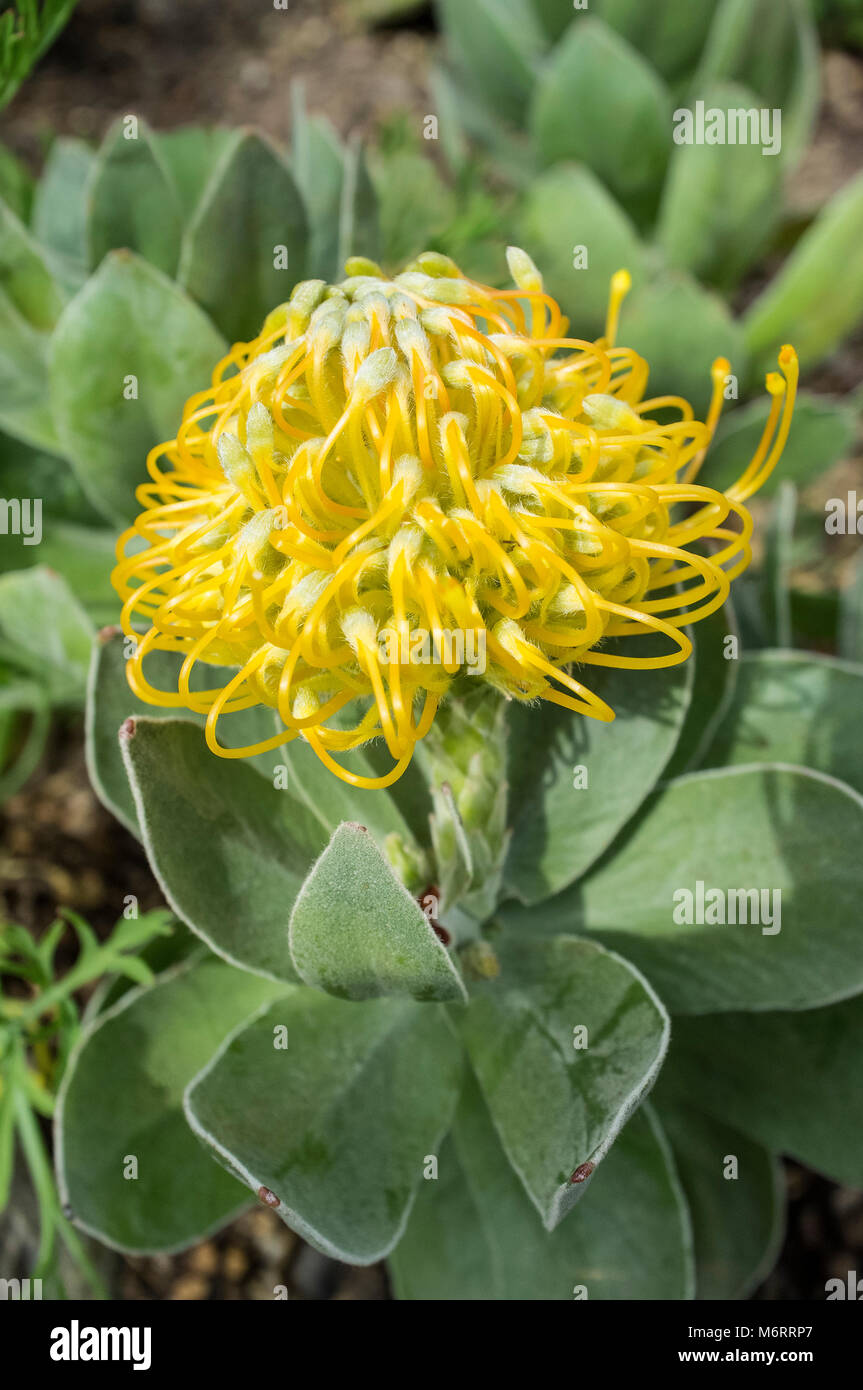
(110, 701)
(131, 199)
(598, 102)
(822, 433)
(250, 217)
(24, 408)
(16, 184)
(771, 46)
(794, 707)
(565, 1046)
(771, 828)
(474, 1235)
(356, 932)
(817, 297)
(791, 1080)
(230, 852)
(562, 826)
(415, 205)
(775, 582)
(190, 155)
(60, 201)
(127, 321)
(332, 801)
(359, 226)
(337, 1123)
(25, 274)
(495, 44)
(712, 690)
(720, 202)
(668, 34)
(46, 631)
(565, 209)
(737, 1216)
(318, 163)
(122, 1098)
(851, 615)
(681, 329)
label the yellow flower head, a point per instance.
(404, 480)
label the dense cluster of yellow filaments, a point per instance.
(420, 455)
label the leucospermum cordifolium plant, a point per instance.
(545, 846)
(424, 1017)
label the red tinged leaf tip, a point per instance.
(127, 728)
(268, 1198)
(582, 1172)
(106, 633)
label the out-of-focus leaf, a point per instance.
(495, 44)
(851, 615)
(60, 202)
(415, 206)
(737, 1212)
(790, 1080)
(132, 202)
(359, 227)
(598, 102)
(681, 328)
(26, 277)
(46, 631)
(822, 432)
(771, 46)
(16, 184)
(25, 411)
(794, 707)
(567, 212)
(190, 155)
(127, 353)
(670, 35)
(246, 246)
(713, 688)
(817, 296)
(720, 203)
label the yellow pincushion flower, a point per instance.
(394, 460)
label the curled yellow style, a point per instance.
(403, 480)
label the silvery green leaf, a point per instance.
(230, 852)
(121, 1100)
(816, 298)
(773, 831)
(131, 199)
(474, 1234)
(337, 1123)
(356, 932)
(565, 1044)
(126, 354)
(568, 217)
(245, 247)
(794, 707)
